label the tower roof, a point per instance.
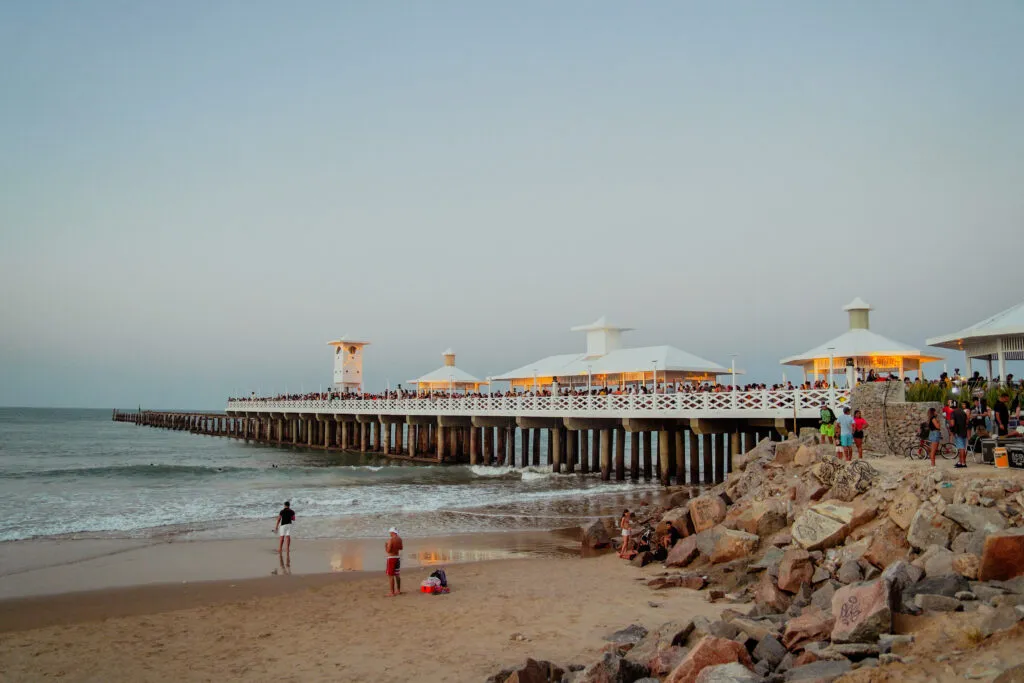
(599, 324)
(858, 304)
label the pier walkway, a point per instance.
(682, 438)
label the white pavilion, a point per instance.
(447, 378)
(999, 338)
(866, 349)
(605, 363)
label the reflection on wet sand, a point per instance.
(368, 554)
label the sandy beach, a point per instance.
(338, 627)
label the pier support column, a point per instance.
(510, 444)
(664, 454)
(500, 459)
(524, 440)
(488, 435)
(570, 450)
(680, 452)
(606, 454)
(708, 473)
(364, 436)
(412, 439)
(474, 445)
(555, 452)
(691, 437)
(620, 454)
(442, 432)
(670, 476)
(735, 448)
(648, 453)
(721, 447)
(584, 436)
(634, 455)
(535, 435)
(749, 441)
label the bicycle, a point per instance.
(922, 450)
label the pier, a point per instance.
(681, 438)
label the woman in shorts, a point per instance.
(859, 425)
(934, 434)
(627, 528)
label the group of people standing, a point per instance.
(845, 431)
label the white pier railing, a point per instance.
(730, 404)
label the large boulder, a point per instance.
(707, 511)
(815, 531)
(795, 569)
(929, 528)
(852, 479)
(769, 649)
(679, 519)
(596, 536)
(532, 671)
(769, 597)
(733, 545)
(948, 585)
(709, 651)
(811, 626)
(612, 668)
(728, 673)
(763, 518)
(683, 552)
(974, 518)
(902, 510)
(863, 611)
(826, 469)
(785, 451)
(902, 575)
(1003, 555)
(824, 671)
(888, 545)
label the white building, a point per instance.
(447, 378)
(865, 349)
(606, 363)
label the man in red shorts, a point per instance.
(393, 550)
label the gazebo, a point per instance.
(861, 349)
(606, 363)
(447, 378)
(999, 338)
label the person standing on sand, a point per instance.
(393, 550)
(283, 528)
(626, 524)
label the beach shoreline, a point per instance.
(337, 626)
(53, 566)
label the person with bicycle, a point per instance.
(934, 434)
(960, 430)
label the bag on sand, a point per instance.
(440, 576)
(436, 583)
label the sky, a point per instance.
(196, 196)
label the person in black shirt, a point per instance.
(1002, 413)
(283, 528)
(958, 426)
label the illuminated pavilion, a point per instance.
(868, 351)
(999, 338)
(605, 363)
(447, 378)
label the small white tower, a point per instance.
(858, 310)
(602, 337)
(348, 363)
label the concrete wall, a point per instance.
(891, 419)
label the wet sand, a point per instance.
(49, 566)
(338, 627)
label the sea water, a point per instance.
(76, 473)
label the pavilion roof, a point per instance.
(640, 359)
(858, 343)
(1008, 323)
(445, 374)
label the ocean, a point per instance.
(77, 474)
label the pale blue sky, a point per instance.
(196, 196)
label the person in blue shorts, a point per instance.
(844, 423)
